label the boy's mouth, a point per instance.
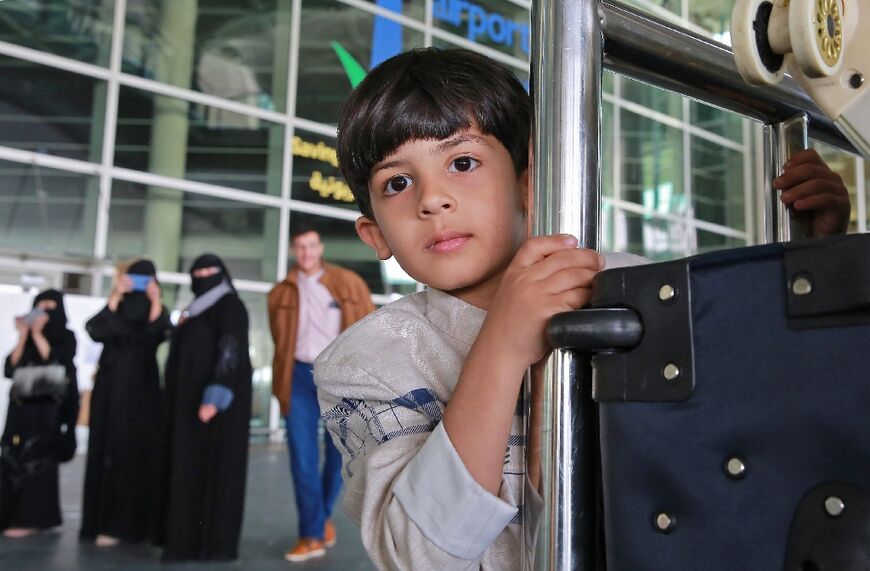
(444, 242)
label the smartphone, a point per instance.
(140, 281)
(32, 315)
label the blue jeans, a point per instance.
(315, 491)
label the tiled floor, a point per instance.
(269, 529)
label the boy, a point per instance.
(421, 397)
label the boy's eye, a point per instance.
(463, 164)
(397, 184)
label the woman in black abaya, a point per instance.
(40, 424)
(208, 395)
(122, 475)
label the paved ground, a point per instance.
(269, 528)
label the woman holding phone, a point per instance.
(121, 492)
(40, 424)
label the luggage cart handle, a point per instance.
(596, 330)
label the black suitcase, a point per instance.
(735, 433)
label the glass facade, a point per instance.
(173, 127)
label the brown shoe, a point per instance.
(329, 533)
(306, 548)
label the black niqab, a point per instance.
(56, 325)
(201, 285)
(135, 306)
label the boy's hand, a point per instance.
(548, 275)
(814, 191)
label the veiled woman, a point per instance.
(208, 395)
(122, 474)
(40, 423)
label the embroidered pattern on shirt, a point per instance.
(515, 455)
(353, 420)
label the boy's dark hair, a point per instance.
(429, 94)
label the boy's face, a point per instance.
(451, 211)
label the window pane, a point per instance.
(261, 349)
(713, 16)
(503, 26)
(717, 121)
(652, 164)
(607, 79)
(843, 164)
(606, 233)
(316, 177)
(652, 97)
(172, 137)
(335, 41)
(415, 9)
(648, 236)
(173, 228)
(521, 73)
(80, 30)
(709, 241)
(46, 210)
(342, 247)
(607, 155)
(34, 118)
(233, 50)
(662, 8)
(718, 195)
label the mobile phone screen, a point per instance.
(140, 281)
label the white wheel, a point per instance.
(756, 61)
(817, 36)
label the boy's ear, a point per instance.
(525, 184)
(370, 233)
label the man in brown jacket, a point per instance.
(306, 312)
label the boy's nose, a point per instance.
(434, 201)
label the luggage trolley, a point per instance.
(757, 463)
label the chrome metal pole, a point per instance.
(566, 80)
(781, 141)
(566, 71)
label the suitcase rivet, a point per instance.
(16, 440)
(834, 506)
(671, 372)
(665, 523)
(801, 286)
(735, 468)
(667, 292)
